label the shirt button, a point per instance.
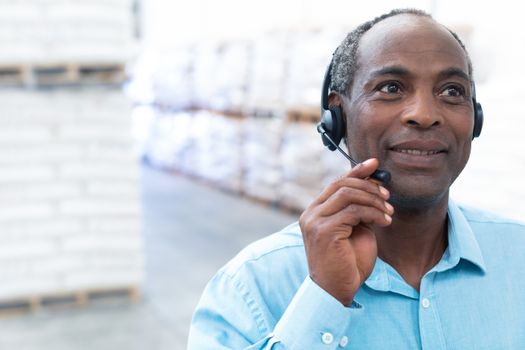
(425, 303)
(327, 338)
(344, 341)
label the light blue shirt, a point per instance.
(474, 298)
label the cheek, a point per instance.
(464, 151)
(463, 124)
(461, 161)
(463, 128)
(366, 125)
(358, 129)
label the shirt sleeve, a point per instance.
(227, 318)
(232, 316)
(314, 319)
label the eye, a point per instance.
(390, 88)
(453, 91)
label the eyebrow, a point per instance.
(454, 72)
(390, 70)
(401, 71)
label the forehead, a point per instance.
(417, 43)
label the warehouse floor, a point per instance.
(190, 230)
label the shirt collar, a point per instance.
(462, 244)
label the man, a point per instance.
(383, 266)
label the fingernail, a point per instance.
(389, 207)
(388, 218)
(384, 191)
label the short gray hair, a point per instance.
(344, 60)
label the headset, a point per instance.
(332, 126)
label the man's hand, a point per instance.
(340, 245)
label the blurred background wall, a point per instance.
(207, 108)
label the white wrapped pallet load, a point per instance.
(171, 77)
(268, 72)
(307, 165)
(262, 173)
(217, 149)
(334, 163)
(70, 213)
(200, 155)
(204, 74)
(169, 144)
(203, 144)
(143, 126)
(309, 55)
(231, 76)
(226, 139)
(65, 31)
(301, 155)
(20, 25)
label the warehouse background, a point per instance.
(145, 142)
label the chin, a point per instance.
(416, 203)
(418, 196)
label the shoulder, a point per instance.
(246, 297)
(493, 230)
(281, 249)
(479, 217)
(274, 263)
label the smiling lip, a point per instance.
(416, 152)
(420, 148)
(418, 155)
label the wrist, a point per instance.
(345, 297)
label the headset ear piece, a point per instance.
(478, 114)
(331, 117)
(478, 119)
(333, 124)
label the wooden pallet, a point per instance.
(81, 298)
(303, 114)
(264, 202)
(290, 209)
(274, 204)
(12, 74)
(263, 112)
(56, 74)
(234, 114)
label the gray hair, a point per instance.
(344, 60)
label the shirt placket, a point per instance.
(430, 329)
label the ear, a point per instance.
(335, 99)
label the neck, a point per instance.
(415, 241)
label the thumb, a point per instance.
(364, 169)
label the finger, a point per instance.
(354, 215)
(365, 185)
(346, 196)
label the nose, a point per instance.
(423, 112)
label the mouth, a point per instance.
(420, 147)
(417, 152)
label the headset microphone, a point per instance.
(380, 175)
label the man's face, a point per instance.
(410, 106)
